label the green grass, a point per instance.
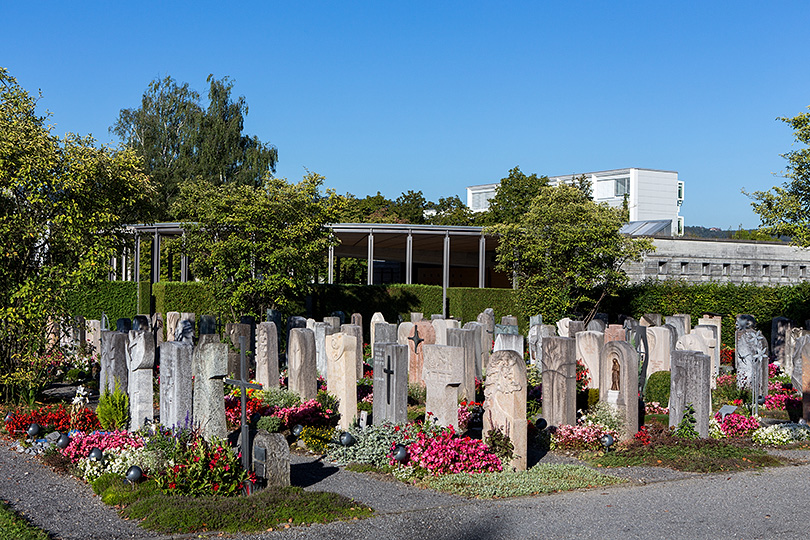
(270, 508)
(14, 527)
(538, 479)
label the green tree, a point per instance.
(785, 210)
(451, 211)
(179, 140)
(63, 203)
(566, 252)
(410, 207)
(512, 197)
(256, 247)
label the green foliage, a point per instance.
(500, 444)
(785, 210)
(566, 252)
(278, 397)
(14, 527)
(188, 297)
(113, 409)
(117, 299)
(271, 424)
(686, 427)
(372, 445)
(103, 482)
(657, 389)
(327, 400)
(63, 203)
(539, 479)
(512, 197)
(607, 416)
(317, 438)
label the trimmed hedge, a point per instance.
(190, 296)
(117, 299)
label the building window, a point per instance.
(705, 269)
(766, 270)
(726, 269)
(803, 271)
(662, 267)
(684, 268)
(746, 269)
(784, 270)
(622, 187)
(480, 199)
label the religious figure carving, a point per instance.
(615, 375)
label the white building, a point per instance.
(651, 195)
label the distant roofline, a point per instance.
(605, 173)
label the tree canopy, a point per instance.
(785, 210)
(180, 140)
(566, 252)
(63, 203)
(512, 197)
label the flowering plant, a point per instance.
(580, 437)
(654, 407)
(81, 443)
(583, 376)
(727, 355)
(781, 434)
(309, 413)
(465, 410)
(736, 425)
(54, 418)
(643, 436)
(233, 409)
(444, 453)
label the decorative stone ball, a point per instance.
(9, 417)
(63, 441)
(761, 400)
(96, 454)
(346, 439)
(134, 474)
(607, 440)
(297, 430)
(401, 453)
(541, 424)
(33, 430)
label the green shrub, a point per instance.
(279, 397)
(317, 438)
(270, 423)
(113, 409)
(686, 427)
(500, 444)
(116, 299)
(657, 388)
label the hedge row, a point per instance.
(116, 299)
(190, 296)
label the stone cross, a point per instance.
(341, 352)
(444, 366)
(140, 361)
(559, 381)
(505, 402)
(391, 373)
(243, 385)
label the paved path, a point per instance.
(656, 503)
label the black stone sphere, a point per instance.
(134, 474)
(297, 430)
(33, 430)
(347, 439)
(401, 453)
(63, 441)
(96, 454)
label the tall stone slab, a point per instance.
(403, 332)
(334, 322)
(618, 383)
(267, 372)
(172, 320)
(357, 320)
(234, 332)
(801, 373)
(559, 381)
(562, 327)
(383, 333)
(780, 327)
(615, 332)
(505, 403)
(659, 340)
(376, 318)
(690, 384)
(716, 321)
(789, 365)
(589, 350)
(357, 332)
(391, 384)
(574, 327)
(443, 374)
(596, 325)
(480, 360)
(487, 318)
(509, 342)
(465, 339)
(673, 335)
(209, 367)
(416, 317)
(175, 384)
(751, 355)
(509, 320)
(421, 335)
(113, 361)
(302, 373)
(341, 353)
(440, 327)
(93, 337)
(296, 321)
(651, 319)
(322, 331)
(682, 324)
(140, 361)
(544, 331)
(708, 333)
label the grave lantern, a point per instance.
(134, 474)
(401, 453)
(9, 417)
(33, 430)
(607, 441)
(297, 430)
(346, 439)
(95, 454)
(63, 441)
(541, 424)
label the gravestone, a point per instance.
(121, 325)
(390, 384)
(801, 373)
(559, 381)
(113, 361)
(440, 327)
(157, 328)
(589, 350)
(505, 403)
(708, 332)
(681, 323)
(480, 360)
(628, 322)
(403, 331)
(637, 338)
(251, 339)
(465, 339)
(188, 316)
(341, 353)
(271, 458)
(357, 332)
(357, 319)
(535, 320)
(789, 366)
(184, 332)
(322, 331)
(334, 322)
(562, 327)
(416, 317)
(716, 321)
(383, 333)
(615, 332)
(443, 374)
(233, 331)
(208, 324)
(596, 325)
(651, 319)
(690, 384)
(421, 335)
(751, 356)
(545, 331)
(172, 320)
(209, 367)
(244, 385)
(509, 342)
(575, 327)
(311, 323)
(302, 371)
(487, 319)
(175, 384)
(659, 341)
(341, 318)
(509, 320)
(436, 316)
(506, 329)
(140, 323)
(376, 318)
(780, 327)
(267, 372)
(93, 337)
(618, 384)
(140, 360)
(296, 321)
(274, 316)
(673, 335)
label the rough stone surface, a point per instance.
(443, 373)
(267, 373)
(333, 322)
(708, 332)
(509, 342)
(93, 336)
(615, 332)
(780, 327)
(403, 331)
(172, 320)
(416, 352)
(302, 373)
(377, 317)
(481, 357)
(341, 353)
(505, 403)
(357, 332)
(651, 319)
(562, 327)
(209, 367)
(559, 381)
(509, 320)
(322, 331)
(690, 384)
(589, 350)
(751, 353)
(383, 333)
(618, 383)
(575, 327)
(113, 361)
(175, 384)
(416, 317)
(140, 360)
(390, 384)
(275, 467)
(465, 339)
(681, 323)
(596, 325)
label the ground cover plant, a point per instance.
(14, 527)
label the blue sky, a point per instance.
(436, 96)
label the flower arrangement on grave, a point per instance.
(781, 394)
(727, 355)
(82, 442)
(53, 418)
(781, 434)
(465, 413)
(655, 408)
(233, 409)
(602, 419)
(734, 426)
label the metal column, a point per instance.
(370, 280)
(445, 273)
(409, 259)
(331, 266)
(482, 262)
(156, 258)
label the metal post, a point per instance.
(409, 259)
(370, 263)
(445, 273)
(156, 258)
(482, 262)
(331, 266)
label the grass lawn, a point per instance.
(14, 527)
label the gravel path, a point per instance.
(655, 503)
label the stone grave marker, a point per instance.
(271, 458)
(780, 327)
(487, 318)
(789, 365)
(295, 321)
(140, 361)
(589, 350)
(443, 374)
(322, 331)
(615, 332)
(93, 336)
(509, 320)
(801, 373)
(480, 358)
(751, 356)
(673, 335)
(357, 332)
(535, 320)
(244, 385)
(509, 342)
(690, 384)
(651, 319)
(383, 333)
(234, 331)
(575, 327)
(184, 332)
(562, 327)
(208, 324)
(403, 331)
(357, 319)
(377, 317)
(596, 325)
(618, 384)
(465, 339)
(422, 334)
(172, 320)
(341, 353)
(334, 322)
(175, 384)
(267, 373)
(302, 372)
(416, 317)
(158, 328)
(559, 381)
(113, 361)
(390, 384)
(341, 318)
(121, 325)
(505, 403)
(209, 367)
(708, 332)
(659, 341)
(681, 323)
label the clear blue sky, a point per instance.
(435, 96)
